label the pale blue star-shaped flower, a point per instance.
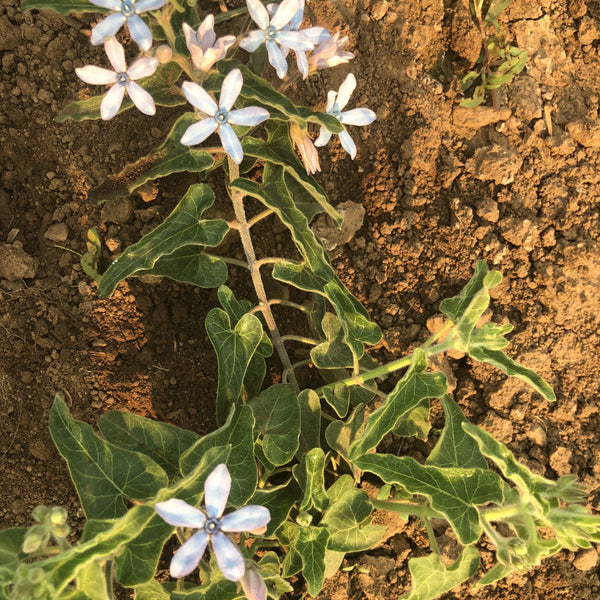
(122, 80)
(275, 33)
(125, 11)
(220, 118)
(213, 527)
(336, 101)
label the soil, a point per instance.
(442, 187)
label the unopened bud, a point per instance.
(58, 515)
(164, 54)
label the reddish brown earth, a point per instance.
(441, 188)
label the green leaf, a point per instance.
(340, 435)
(170, 157)
(63, 7)
(161, 86)
(162, 442)
(431, 577)
(235, 346)
(501, 361)
(238, 431)
(333, 353)
(497, 572)
(183, 227)
(310, 422)
(408, 393)
(455, 448)
(347, 521)
(104, 475)
(310, 476)
(90, 584)
(415, 423)
(11, 555)
(277, 414)
(279, 500)
(311, 544)
(453, 492)
(151, 590)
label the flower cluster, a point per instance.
(213, 527)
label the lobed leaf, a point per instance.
(311, 544)
(279, 500)
(431, 577)
(310, 475)
(151, 590)
(104, 475)
(184, 227)
(340, 435)
(11, 555)
(310, 422)
(453, 492)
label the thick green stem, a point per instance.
(237, 199)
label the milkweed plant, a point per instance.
(275, 491)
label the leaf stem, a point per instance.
(237, 199)
(259, 217)
(299, 338)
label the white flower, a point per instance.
(221, 118)
(357, 116)
(125, 11)
(274, 33)
(329, 53)
(213, 526)
(306, 148)
(201, 44)
(122, 79)
(253, 584)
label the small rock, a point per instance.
(332, 237)
(488, 210)
(577, 8)
(537, 434)
(15, 263)
(588, 31)
(58, 232)
(495, 163)
(379, 9)
(10, 36)
(519, 232)
(559, 461)
(479, 116)
(525, 99)
(585, 133)
(118, 210)
(561, 143)
(586, 559)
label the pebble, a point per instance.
(586, 559)
(479, 116)
(495, 163)
(379, 9)
(587, 31)
(519, 232)
(585, 133)
(15, 263)
(58, 232)
(559, 461)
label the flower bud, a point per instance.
(58, 515)
(164, 54)
(35, 538)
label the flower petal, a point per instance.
(96, 75)
(246, 518)
(346, 90)
(140, 32)
(186, 559)
(317, 35)
(348, 144)
(277, 59)
(229, 558)
(302, 63)
(145, 5)
(107, 28)
(116, 55)
(198, 97)
(258, 13)
(286, 11)
(141, 98)
(324, 137)
(253, 40)
(206, 31)
(198, 132)
(189, 34)
(218, 483)
(143, 67)
(180, 514)
(110, 4)
(295, 40)
(253, 584)
(230, 143)
(111, 103)
(250, 116)
(358, 116)
(331, 96)
(230, 90)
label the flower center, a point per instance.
(221, 116)
(337, 113)
(212, 526)
(271, 32)
(122, 78)
(127, 7)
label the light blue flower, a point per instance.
(275, 33)
(125, 11)
(213, 526)
(221, 118)
(336, 101)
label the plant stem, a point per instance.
(486, 52)
(299, 338)
(108, 574)
(237, 199)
